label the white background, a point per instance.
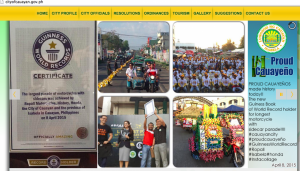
(4, 156)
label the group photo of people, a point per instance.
(213, 62)
(128, 137)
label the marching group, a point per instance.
(154, 140)
(208, 74)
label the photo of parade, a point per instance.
(133, 57)
(133, 131)
(208, 57)
(208, 131)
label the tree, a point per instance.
(242, 42)
(228, 46)
(125, 45)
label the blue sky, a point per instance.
(148, 29)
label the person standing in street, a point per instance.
(147, 143)
(109, 71)
(160, 141)
(116, 66)
(105, 134)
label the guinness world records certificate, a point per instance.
(53, 65)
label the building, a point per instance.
(130, 105)
(174, 39)
(163, 40)
(225, 102)
(100, 52)
(186, 46)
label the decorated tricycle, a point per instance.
(235, 140)
(207, 141)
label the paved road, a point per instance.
(119, 83)
(182, 156)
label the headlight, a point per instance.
(238, 144)
(152, 77)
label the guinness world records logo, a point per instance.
(271, 38)
(53, 162)
(52, 50)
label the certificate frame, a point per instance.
(93, 147)
(151, 102)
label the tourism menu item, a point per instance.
(53, 67)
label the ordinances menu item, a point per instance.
(272, 59)
(53, 65)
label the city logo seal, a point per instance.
(52, 50)
(53, 162)
(271, 38)
(132, 154)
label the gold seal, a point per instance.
(82, 132)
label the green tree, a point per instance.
(228, 46)
(242, 42)
(125, 45)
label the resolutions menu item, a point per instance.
(272, 98)
(53, 65)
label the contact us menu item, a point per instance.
(272, 98)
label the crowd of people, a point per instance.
(154, 140)
(208, 74)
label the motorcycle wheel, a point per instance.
(151, 88)
(240, 162)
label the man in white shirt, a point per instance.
(182, 83)
(206, 83)
(130, 73)
(194, 84)
(225, 82)
(175, 83)
(235, 84)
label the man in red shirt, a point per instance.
(147, 143)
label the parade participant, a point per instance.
(176, 65)
(194, 84)
(152, 71)
(235, 84)
(147, 143)
(188, 73)
(241, 82)
(116, 66)
(206, 83)
(176, 75)
(104, 145)
(130, 72)
(109, 71)
(240, 75)
(182, 83)
(230, 70)
(203, 71)
(215, 81)
(175, 82)
(125, 136)
(160, 142)
(225, 82)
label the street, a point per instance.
(182, 156)
(120, 82)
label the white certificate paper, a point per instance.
(149, 108)
(53, 65)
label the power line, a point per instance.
(129, 34)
